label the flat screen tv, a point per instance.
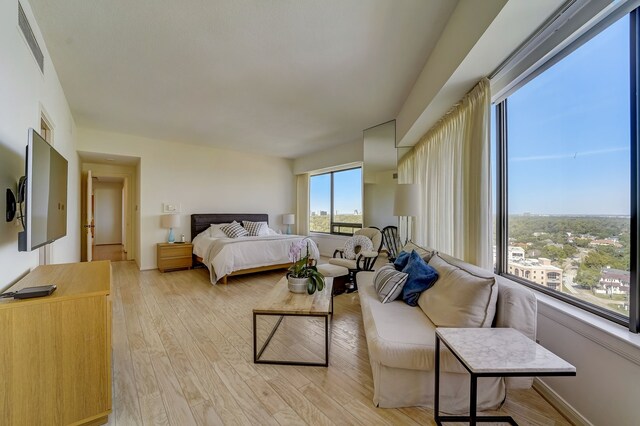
(44, 193)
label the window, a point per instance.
(565, 155)
(336, 202)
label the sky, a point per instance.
(348, 192)
(568, 132)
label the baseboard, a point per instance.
(560, 404)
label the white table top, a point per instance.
(501, 350)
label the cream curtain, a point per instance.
(302, 204)
(451, 165)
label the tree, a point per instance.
(582, 242)
(569, 250)
(588, 277)
(553, 253)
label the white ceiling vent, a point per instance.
(24, 25)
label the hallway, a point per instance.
(112, 252)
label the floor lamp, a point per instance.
(406, 204)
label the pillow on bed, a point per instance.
(216, 232)
(255, 229)
(234, 230)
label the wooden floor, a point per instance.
(112, 252)
(182, 355)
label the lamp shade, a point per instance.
(288, 219)
(170, 220)
(406, 200)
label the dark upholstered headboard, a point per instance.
(200, 222)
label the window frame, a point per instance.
(502, 217)
(332, 224)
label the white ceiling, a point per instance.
(284, 78)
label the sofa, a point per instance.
(401, 338)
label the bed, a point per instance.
(225, 257)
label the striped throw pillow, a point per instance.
(234, 230)
(389, 283)
(255, 229)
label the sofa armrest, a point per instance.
(517, 307)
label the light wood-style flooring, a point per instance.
(112, 252)
(182, 355)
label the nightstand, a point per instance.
(174, 256)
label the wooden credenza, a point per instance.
(55, 351)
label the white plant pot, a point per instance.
(297, 285)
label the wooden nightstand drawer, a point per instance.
(175, 250)
(174, 256)
(174, 263)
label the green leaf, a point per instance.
(318, 281)
(311, 286)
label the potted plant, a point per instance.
(303, 275)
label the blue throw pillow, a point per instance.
(421, 277)
(401, 261)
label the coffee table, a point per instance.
(281, 302)
(494, 352)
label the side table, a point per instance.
(174, 256)
(494, 352)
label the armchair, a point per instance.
(365, 252)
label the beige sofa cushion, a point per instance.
(463, 296)
(399, 335)
(425, 253)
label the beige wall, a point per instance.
(26, 92)
(201, 179)
(347, 153)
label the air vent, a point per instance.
(395, 176)
(24, 25)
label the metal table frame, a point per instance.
(257, 354)
(473, 417)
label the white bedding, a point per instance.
(222, 256)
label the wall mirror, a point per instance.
(379, 171)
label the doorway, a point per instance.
(109, 208)
(108, 218)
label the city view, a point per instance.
(584, 256)
(568, 173)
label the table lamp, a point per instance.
(289, 219)
(170, 221)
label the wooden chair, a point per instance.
(392, 241)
